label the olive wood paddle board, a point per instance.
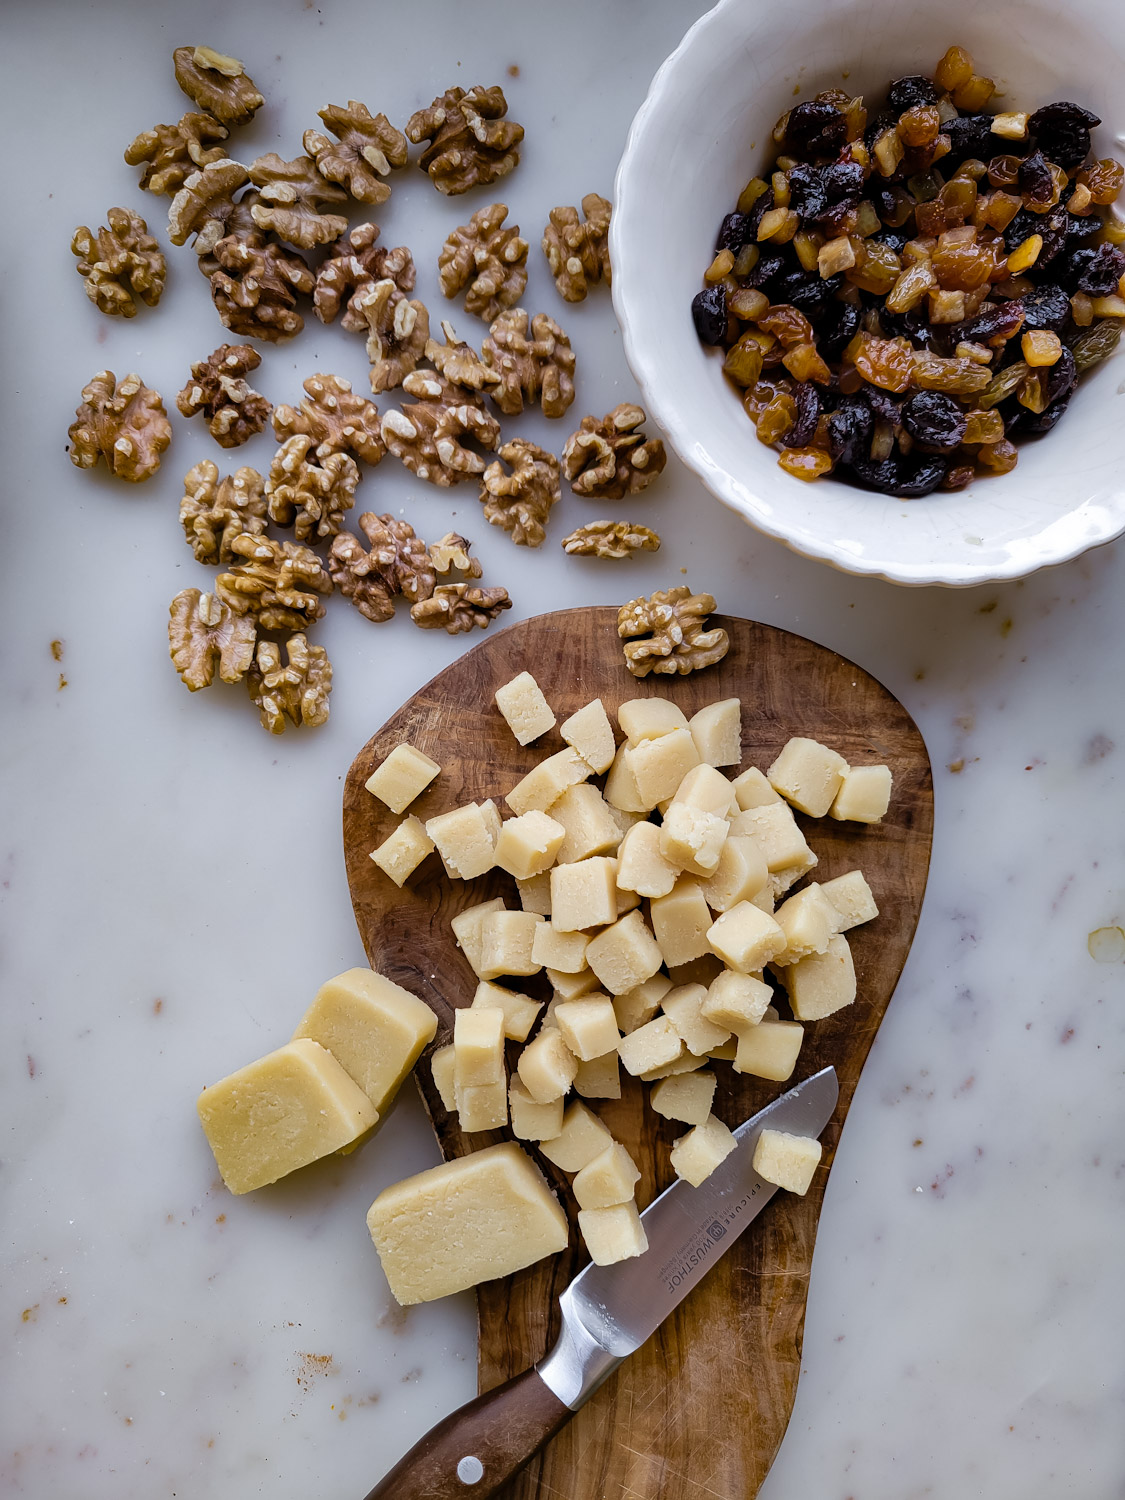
(701, 1409)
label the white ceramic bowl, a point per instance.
(704, 130)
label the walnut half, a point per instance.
(124, 424)
(297, 691)
(577, 253)
(311, 497)
(214, 511)
(610, 458)
(217, 83)
(614, 539)
(521, 501)
(664, 633)
(366, 148)
(470, 144)
(218, 389)
(335, 418)
(490, 260)
(203, 633)
(396, 563)
(457, 607)
(121, 263)
(534, 360)
(171, 153)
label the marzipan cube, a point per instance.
(545, 783)
(599, 1077)
(582, 1137)
(569, 986)
(526, 711)
(680, 922)
(535, 894)
(587, 823)
(659, 765)
(774, 829)
(687, 1062)
(735, 1001)
(466, 839)
(637, 1006)
(547, 1066)
(650, 1046)
(620, 789)
(402, 851)
(769, 1050)
(609, 1179)
(467, 926)
(584, 894)
(808, 920)
(588, 1026)
(851, 896)
(649, 719)
(506, 941)
(519, 1010)
(591, 734)
(696, 1155)
(717, 732)
(404, 775)
(482, 1106)
(739, 876)
(529, 845)
(864, 796)
(752, 789)
(707, 789)
(624, 955)
(808, 775)
(788, 1161)
(532, 1121)
(559, 950)
(478, 1047)
(745, 938)
(693, 839)
(686, 1096)
(441, 1069)
(823, 983)
(641, 866)
(612, 1234)
(684, 1008)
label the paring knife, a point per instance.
(607, 1313)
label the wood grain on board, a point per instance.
(701, 1409)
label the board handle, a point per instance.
(473, 1453)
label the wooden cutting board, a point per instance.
(700, 1410)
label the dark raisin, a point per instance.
(1080, 228)
(905, 93)
(969, 135)
(1053, 227)
(934, 420)
(1062, 377)
(843, 181)
(1045, 307)
(816, 129)
(1096, 270)
(883, 200)
(754, 217)
(1062, 132)
(849, 428)
(913, 325)
(1026, 422)
(807, 195)
(808, 291)
(908, 477)
(732, 233)
(892, 237)
(769, 267)
(808, 414)
(999, 321)
(837, 328)
(709, 314)
(876, 125)
(1035, 180)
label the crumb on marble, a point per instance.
(58, 646)
(513, 70)
(62, 682)
(956, 766)
(31, 1067)
(157, 1007)
(30, 1314)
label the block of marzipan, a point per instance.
(527, 712)
(696, 1155)
(591, 734)
(374, 1029)
(582, 1137)
(684, 1096)
(282, 1112)
(612, 1234)
(788, 1161)
(609, 1178)
(481, 1216)
(405, 773)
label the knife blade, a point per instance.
(608, 1312)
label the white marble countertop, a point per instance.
(173, 889)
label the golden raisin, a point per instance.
(876, 267)
(919, 125)
(958, 198)
(748, 303)
(885, 363)
(804, 363)
(1024, 256)
(744, 361)
(788, 324)
(777, 418)
(956, 377)
(1033, 391)
(984, 427)
(971, 96)
(911, 286)
(1104, 179)
(959, 262)
(958, 476)
(805, 463)
(778, 225)
(1000, 387)
(955, 69)
(930, 218)
(1041, 347)
(996, 210)
(1081, 310)
(721, 266)
(998, 458)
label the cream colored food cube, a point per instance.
(599, 1077)
(641, 866)
(466, 839)
(680, 922)
(735, 1001)
(506, 939)
(609, 1179)
(587, 823)
(528, 845)
(526, 711)
(532, 1121)
(624, 820)
(717, 732)
(637, 1006)
(764, 900)
(708, 790)
(851, 896)
(588, 1026)
(727, 1052)
(402, 851)
(808, 775)
(739, 876)
(693, 839)
(620, 789)
(467, 927)
(559, 950)
(745, 938)
(569, 986)
(649, 719)
(788, 1161)
(470, 1220)
(482, 1106)
(441, 1069)
(823, 983)
(374, 1029)
(752, 789)
(282, 1112)
(774, 829)
(591, 734)
(769, 1050)
(624, 955)
(781, 880)
(659, 765)
(625, 900)
(685, 1096)
(650, 1046)
(584, 894)
(582, 1137)
(478, 1046)
(612, 1234)
(696, 1155)
(808, 920)
(684, 1008)
(545, 783)
(535, 894)
(519, 1010)
(404, 775)
(547, 1066)
(687, 1062)
(864, 796)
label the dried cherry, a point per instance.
(808, 414)
(849, 428)
(816, 129)
(807, 194)
(1062, 132)
(934, 420)
(1031, 423)
(905, 93)
(1035, 180)
(733, 232)
(709, 314)
(907, 477)
(1062, 377)
(994, 325)
(838, 327)
(808, 291)
(769, 266)
(884, 405)
(1096, 270)
(843, 181)
(969, 135)
(1045, 307)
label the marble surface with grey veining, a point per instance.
(172, 889)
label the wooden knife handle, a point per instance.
(472, 1454)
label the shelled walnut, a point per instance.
(536, 368)
(203, 633)
(278, 583)
(126, 425)
(171, 153)
(609, 458)
(255, 287)
(395, 563)
(121, 263)
(397, 332)
(335, 418)
(470, 144)
(218, 389)
(214, 511)
(365, 150)
(297, 691)
(452, 555)
(206, 206)
(296, 200)
(616, 539)
(429, 438)
(490, 260)
(353, 264)
(459, 362)
(664, 633)
(521, 501)
(577, 253)
(217, 83)
(457, 607)
(311, 497)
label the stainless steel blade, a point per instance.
(609, 1311)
